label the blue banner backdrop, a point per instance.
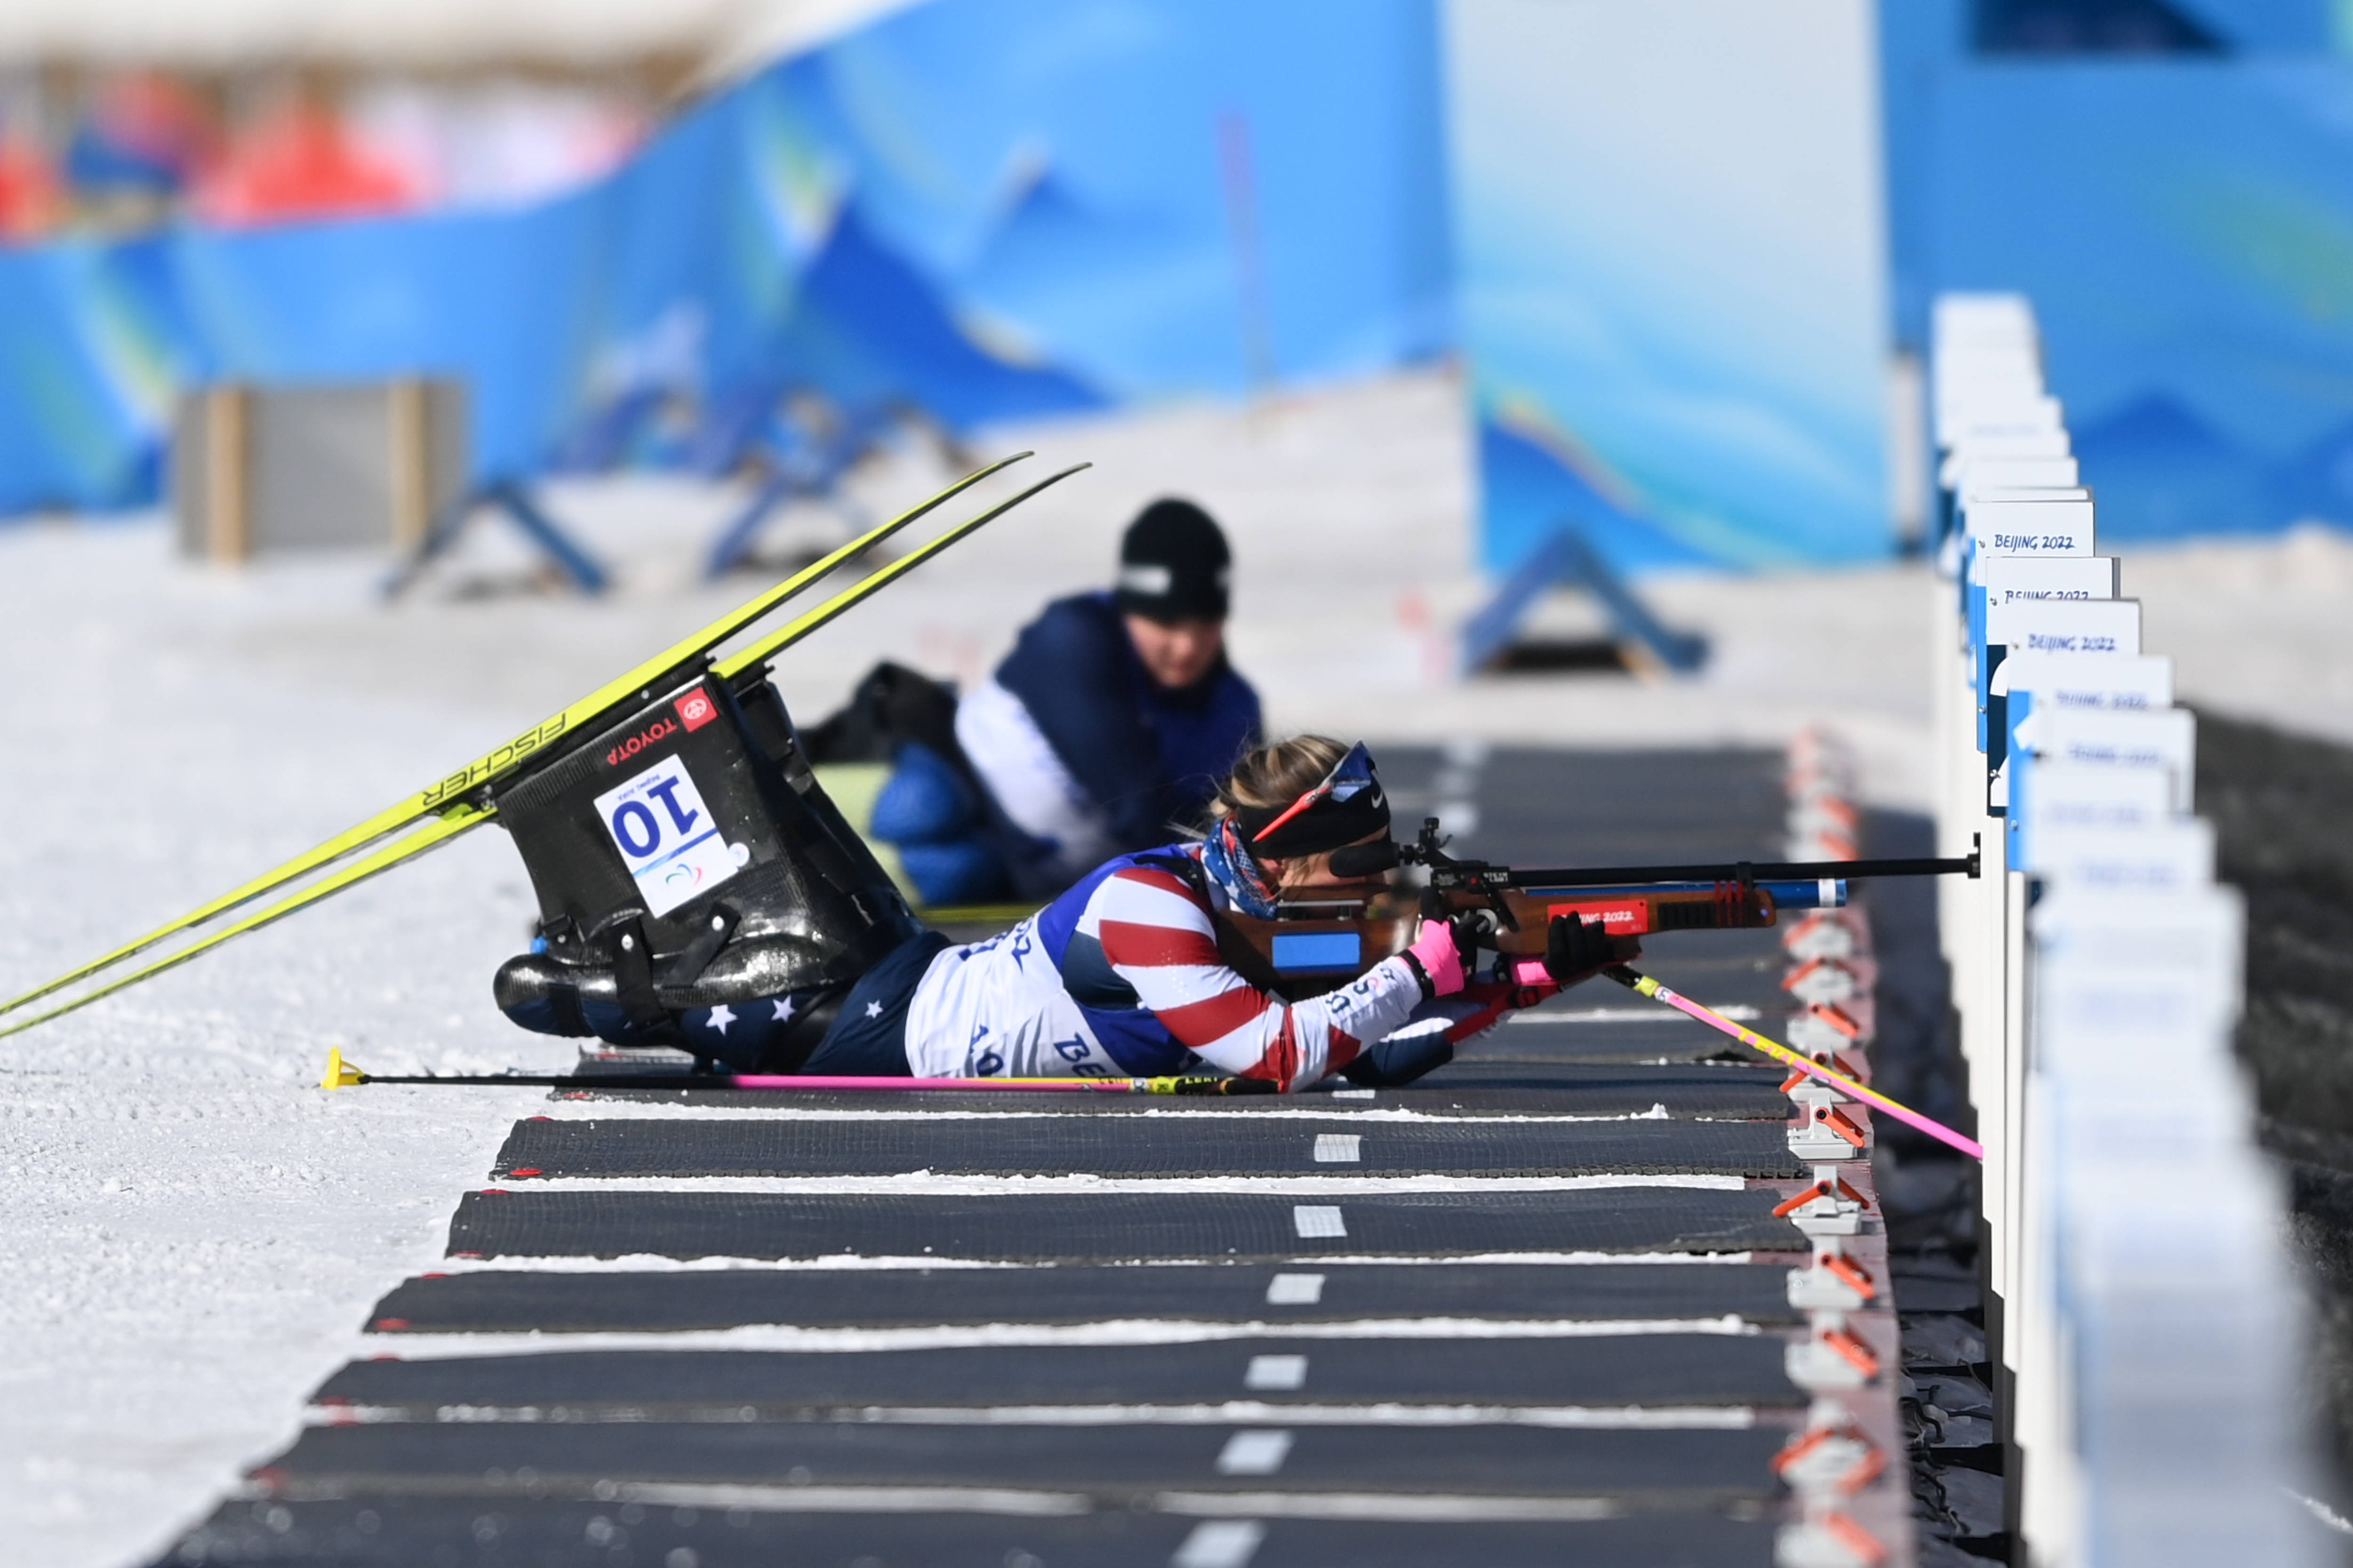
(2184, 226)
(990, 208)
(1672, 277)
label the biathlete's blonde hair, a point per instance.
(1274, 775)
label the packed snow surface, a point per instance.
(195, 1231)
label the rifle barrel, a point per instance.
(1756, 871)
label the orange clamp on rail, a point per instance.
(1857, 1354)
(1850, 1193)
(1855, 1539)
(1791, 981)
(1799, 1450)
(1846, 1268)
(1866, 1470)
(1823, 1059)
(1837, 1018)
(1837, 1122)
(1798, 931)
(1831, 806)
(1859, 1475)
(1796, 1201)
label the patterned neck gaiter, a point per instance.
(1230, 867)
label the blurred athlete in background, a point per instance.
(1108, 726)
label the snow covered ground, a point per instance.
(194, 1231)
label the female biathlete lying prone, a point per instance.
(1122, 977)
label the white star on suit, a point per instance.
(874, 1009)
(784, 1011)
(721, 1017)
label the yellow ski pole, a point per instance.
(342, 1074)
(1645, 985)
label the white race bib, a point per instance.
(667, 836)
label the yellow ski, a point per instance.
(449, 823)
(768, 646)
(499, 763)
(461, 816)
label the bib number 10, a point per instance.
(667, 836)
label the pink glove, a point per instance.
(1433, 948)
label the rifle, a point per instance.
(1312, 945)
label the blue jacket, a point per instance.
(1145, 754)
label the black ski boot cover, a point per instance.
(687, 859)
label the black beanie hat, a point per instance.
(1173, 564)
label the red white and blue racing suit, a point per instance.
(1120, 977)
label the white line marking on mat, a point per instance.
(654, 1263)
(1619, 1418)
(1387, 1506)
(1303, 1106)
(750, 1496)
(1275, 1373)
(1219, 1543)
(1738, 1012)
(928, 1184)
(1295, 1290)
(1253, 1453)
(785, 1337)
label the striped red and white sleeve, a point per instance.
(1156, 935)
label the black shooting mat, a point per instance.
(1472, 1085)
(1112, 1461)
(1688, 959)
(1669, 1369)
(1112, 1225)
(665, 1146)
(499, 1300)
(1711, 985)
(501, 1490)
(1667, 1039)
(1721, 982)
(516, 1531)
(1708, 1090)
